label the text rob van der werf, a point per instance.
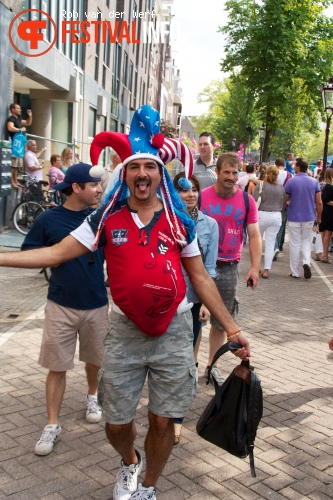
(98, 30)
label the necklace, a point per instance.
(144, 207)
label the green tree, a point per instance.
(315, 150)
(167, 129)
(214, 94)
(231, 111)
(236, 114)
(279, 47)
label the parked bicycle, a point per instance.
(34, 200)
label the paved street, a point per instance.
(289, 322)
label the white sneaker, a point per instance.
(50, 436)
(94, 411)
(143, 493)
(127, 480)
(216, 374)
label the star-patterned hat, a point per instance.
(143, 141)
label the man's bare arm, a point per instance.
(28, 121)
(11, 128)
(209, 295)
(69, 248)
(255, 249)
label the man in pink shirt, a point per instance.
(226, 204)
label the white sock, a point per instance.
(92, 397)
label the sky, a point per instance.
(197, 47)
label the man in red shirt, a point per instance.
(146, 237)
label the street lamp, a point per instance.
(262, 135)
(249, 131)
(327, 94)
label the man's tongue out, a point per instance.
(142, 187)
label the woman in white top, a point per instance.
(272, 202)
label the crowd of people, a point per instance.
(172, 250)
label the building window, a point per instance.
(98, 46)
(114, 107)
(143, 93)
(135, 88)
(129, 11)
(125, 69)
(130, 79)
(106, 58)
(91, 123)
(113, 125)
(116, 70)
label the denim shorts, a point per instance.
(131, 356)
(227, 282)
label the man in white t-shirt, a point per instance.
(31, 162)
(243, 181)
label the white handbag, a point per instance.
(260, 191)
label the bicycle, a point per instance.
(30, 206)
(34, 200)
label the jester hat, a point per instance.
(144, 141)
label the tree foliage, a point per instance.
(167, 129)
(282, 51)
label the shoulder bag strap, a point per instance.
(229, 346)
(247, 205)
(254, 414)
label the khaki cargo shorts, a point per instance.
(63, 326)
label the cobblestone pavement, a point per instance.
(289, 322)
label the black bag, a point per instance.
(231, 418)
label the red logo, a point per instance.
(31, 31)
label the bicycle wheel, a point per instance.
(25, 214)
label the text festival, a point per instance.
(102, 31)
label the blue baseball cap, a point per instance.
(78, 173)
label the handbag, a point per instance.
(258, 202)
(231, 419)
(18, 144)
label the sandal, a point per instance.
(265, 276)
(317, 259)
(325, 261)
(292, 276)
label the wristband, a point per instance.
(234, 336)
(234, 333)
